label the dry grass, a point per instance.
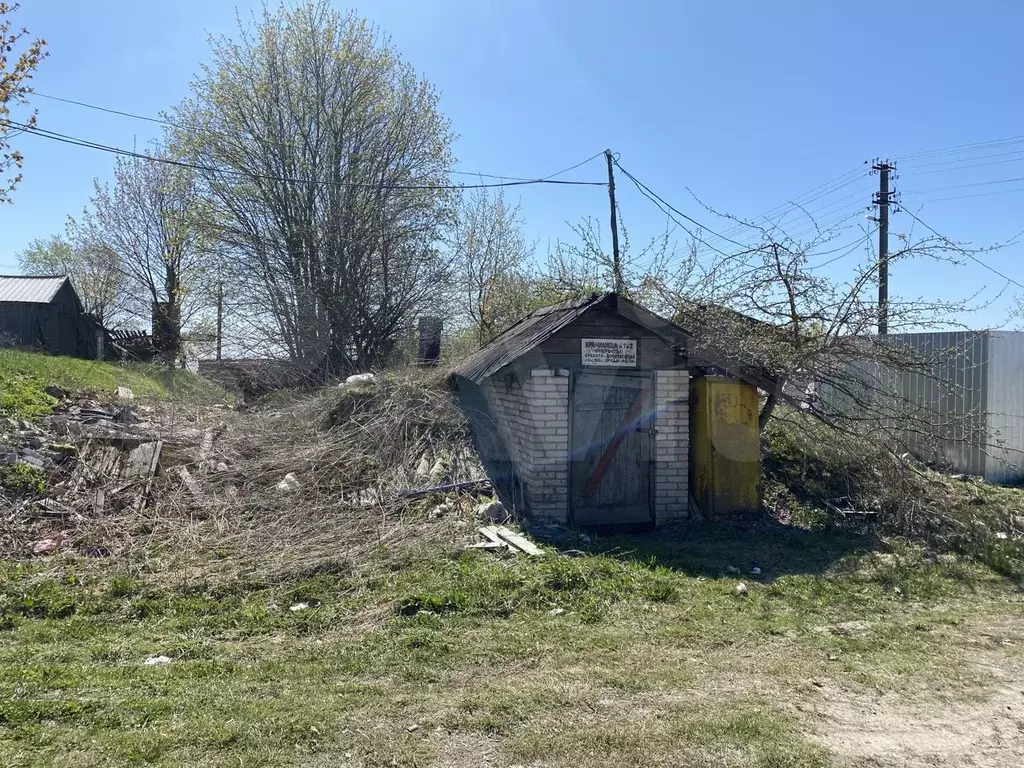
(351, 451)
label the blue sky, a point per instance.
(749, 104)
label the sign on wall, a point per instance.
(616, 353)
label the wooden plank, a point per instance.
(491, 532)
(207, 444)
(144, 496)
(516, 541)
(191, 483)
(488, 545)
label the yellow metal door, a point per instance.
(725, 454)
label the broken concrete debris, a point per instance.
(51, 544)
(491, 512)
(468, 486)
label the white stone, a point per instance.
(358, 378)
(289, 483)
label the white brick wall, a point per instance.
(671, 444)
(533, 419)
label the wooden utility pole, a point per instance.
(882, 201)
(220, 317)
(616, 263)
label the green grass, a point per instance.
(653, 661)
(22, 478)
(25, 375)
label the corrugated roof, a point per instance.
(30, 290)
(541, 325)
(535, 328)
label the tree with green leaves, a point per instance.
(326, 158)
(95, 271)
(155, 219)
(14, 91)
(493, 270)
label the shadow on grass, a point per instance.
(713, 549)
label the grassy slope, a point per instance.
(654, 662)
(23, 375)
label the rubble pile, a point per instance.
(94, 459)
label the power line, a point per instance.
(651, 194)
(848, 248)
(945, 165)
(964, 186)
(961, 148)
(74, 141)
(977, 194)
(961, 250)
(802, 200)
(172, 124)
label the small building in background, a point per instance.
(45, 313)
(582, 415)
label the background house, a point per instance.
(45, 313)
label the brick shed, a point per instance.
(581, 413)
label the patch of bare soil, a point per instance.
(865, 728)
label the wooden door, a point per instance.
(610, 455)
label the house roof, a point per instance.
(30, 290)
(541, 325)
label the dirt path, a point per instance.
(984, 729)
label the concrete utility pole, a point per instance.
(616, 264)
(883, 200)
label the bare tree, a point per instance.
(95, 271)
(492, 262)
(581, 266)
(777, 314)
(14, 90)
(327, 160)
(155, 220)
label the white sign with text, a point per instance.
(613, 353)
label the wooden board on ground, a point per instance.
(490, 532)
(154, 463)
(488, 545)
(516, 541)
(191, 483)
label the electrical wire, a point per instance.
(649, 193)
(945, 165)
(961, 148)
(851, 247)
(75, 141)
(963, 186)
(172, 124)
(976, 194)
(803, 200)
(959, 249)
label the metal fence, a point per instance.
(968, 406)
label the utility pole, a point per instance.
(616, 264)
(883, 199)
(220, 317)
